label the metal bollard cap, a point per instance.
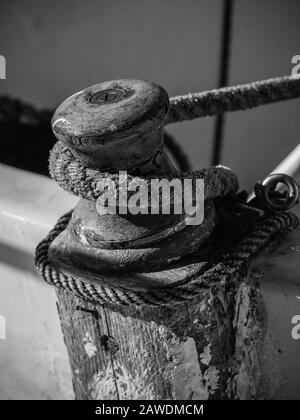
(112, 125)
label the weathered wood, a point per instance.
(216, 347)
(159, 354)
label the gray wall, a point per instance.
(56, 48)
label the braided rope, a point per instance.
(233, 98)
(226, 270)
(82, 181)
(74, 177)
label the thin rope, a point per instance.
(233, 98)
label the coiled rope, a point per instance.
(82, 181)
(67, 172)
(227, 270)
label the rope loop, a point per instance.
(84, 182)
(228, 269)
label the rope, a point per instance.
(234, 98)
(82, 181)
(227, 270)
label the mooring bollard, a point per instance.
(142, 319)
(118, 126)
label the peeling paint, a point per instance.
(211, 377)
(205, 356)
(190, 382)
(103, 385)
(89, 345)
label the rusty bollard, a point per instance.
(128, 352)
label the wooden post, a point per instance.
(214, 348)
(209, 348)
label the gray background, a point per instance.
(56, 48)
